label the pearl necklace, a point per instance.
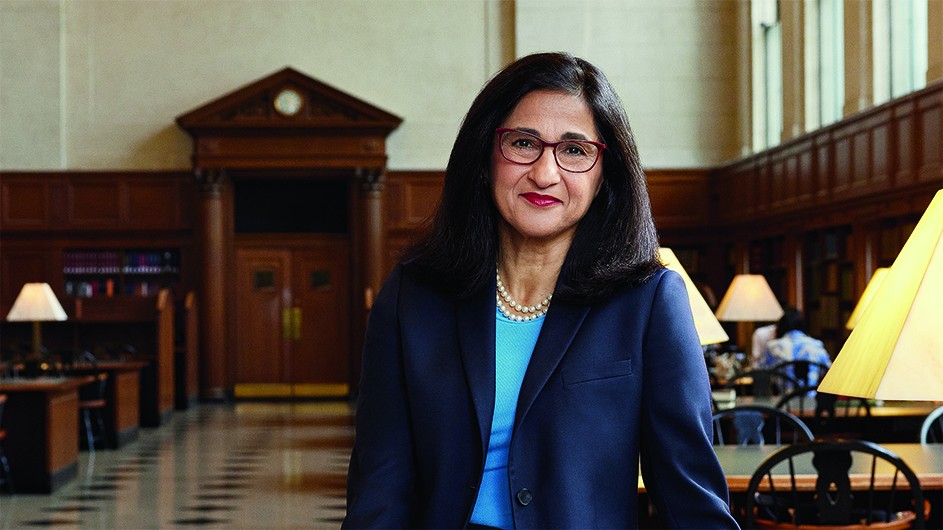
(530, 312)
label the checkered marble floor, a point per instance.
(248, 465)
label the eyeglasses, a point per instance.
(575, 156)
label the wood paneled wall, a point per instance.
(841, 172)
(126, 201)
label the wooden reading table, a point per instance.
(42, 423)
(122, 400)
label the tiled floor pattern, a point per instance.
(249, 465)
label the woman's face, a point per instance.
(542, 201)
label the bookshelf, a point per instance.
(767, 258)
(830, 287)
(893, 234)
(91, 273)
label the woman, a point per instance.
(531, 347)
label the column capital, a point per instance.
(371, 179)
(210, 180)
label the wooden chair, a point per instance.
(791, 501)
(758, 425)
(92, 403)
(6, 478)
(800, 370)
(931, 432)
(830, 412)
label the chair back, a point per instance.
(802, 371)
(931, 432)
(758, 425)
(94, 391)
(799, 400)
(887, 492)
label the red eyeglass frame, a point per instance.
(501, 131)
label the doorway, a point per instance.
(292, 291)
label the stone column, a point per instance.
(793, 47)
(935, 41)
(371, 186)
(213, 334)
(859, 63)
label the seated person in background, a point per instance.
(761, 338)
(792, 344)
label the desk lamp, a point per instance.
(36, 303)
(709, 330)
(866, 297)
(895, 351)
(749, 299)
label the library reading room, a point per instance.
(238, 240)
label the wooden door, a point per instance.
(292, 320)
(263, 299)
(321, 343)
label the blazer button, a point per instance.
(524, 497)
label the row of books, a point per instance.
(111, 287)
(112, 262)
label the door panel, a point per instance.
(262, 297)
(321, 293)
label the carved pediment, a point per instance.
(289, 120)
(288, 99)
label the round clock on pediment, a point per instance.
(288, 102)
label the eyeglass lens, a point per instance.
(571, 155)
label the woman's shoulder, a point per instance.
(662, 283)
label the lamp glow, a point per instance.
(709, 330)
(866, 297)
(896, 350)
(749, 299)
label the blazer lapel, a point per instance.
(476, 330)
(562, 322)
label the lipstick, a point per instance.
(540, 200)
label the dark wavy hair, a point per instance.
(615, 244)
(791, 321)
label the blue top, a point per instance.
(514, 344)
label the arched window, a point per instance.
(900, 47)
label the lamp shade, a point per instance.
(709, 330)
(896, 349)
(866, 297)
(749, 299)
(36, 303)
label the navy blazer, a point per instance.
(609, 386)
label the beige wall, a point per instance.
(673, 62)
(96, 84)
